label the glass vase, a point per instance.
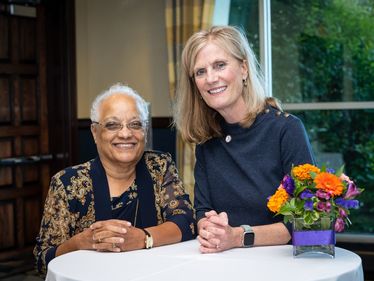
(313, 239)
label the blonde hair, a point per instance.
(196, 121)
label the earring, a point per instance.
(245, 82)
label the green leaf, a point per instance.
(323, 167)
(340, 171)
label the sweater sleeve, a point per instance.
(54, 225)
(202, 202)
(295, 145)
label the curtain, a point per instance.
(183, 18)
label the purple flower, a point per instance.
(306, 194)
(342, 213)
(340, 201)
(352, 191)
(345, 178)
(330, 170)
(339, 225)
(347, 204)
(323, 195)
(324, 206)
(288, 184)
(308, 205)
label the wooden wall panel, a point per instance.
(5, 98)
(30, 145)
(6, 147)
(6, 151)
(27, 40)
(32, 215)
(28, 100)
(4, 37)
(5, 176)
(7, 237)
(37, 91)
(16, 118)
(30, 174)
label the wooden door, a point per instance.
(24, 149)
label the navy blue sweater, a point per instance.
(238, 176)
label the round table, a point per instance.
(183, 261)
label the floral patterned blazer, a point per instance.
(79, 196)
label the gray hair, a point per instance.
(120, 89)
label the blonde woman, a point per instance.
(245, 143)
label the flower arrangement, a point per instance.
(312, 193)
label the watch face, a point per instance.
(148, 242)
(249, 238)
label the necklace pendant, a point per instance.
(228, 138)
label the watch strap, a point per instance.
(246, 228)
(247, 231)
(148, 239)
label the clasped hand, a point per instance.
(115, 236)
(215, 233)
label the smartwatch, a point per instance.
(148, 239)
(248, 238)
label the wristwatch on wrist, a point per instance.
(248, 238)
(148, 239)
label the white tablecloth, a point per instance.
(183, 261)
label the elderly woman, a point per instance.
(125, 199)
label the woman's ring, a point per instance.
(99, 240)
(114, 245)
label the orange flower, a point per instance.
(302, 172)
(329, 183)
(278, 199)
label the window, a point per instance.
(322, 62)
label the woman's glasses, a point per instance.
(116, 126)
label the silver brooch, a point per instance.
(228, 138)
